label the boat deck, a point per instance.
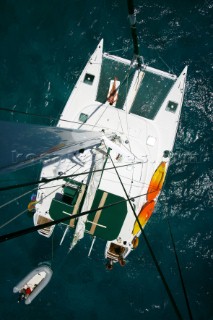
(142, 125)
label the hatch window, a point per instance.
(171, 106)
(83, 117)
(89, 78)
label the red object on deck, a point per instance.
(28, 291)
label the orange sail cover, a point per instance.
(144, 215)
(156, 182)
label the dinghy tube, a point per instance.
(36, 280)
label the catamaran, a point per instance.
(105, 163)
(133, 112)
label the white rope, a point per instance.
(9, 221)
(40, 188)
(170, 69)
(22, 195)
(126, 113)
(18, 215)
(26, 210)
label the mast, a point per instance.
(132, 20)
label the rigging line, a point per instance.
(126, 111)
(53, 118)
(170, 69)
(42, 187)
(120, 120)
(24, 194)
(36, 115)
(127, 81)
(18, 215)
(52, 248)
(45, 154)
(46, 187)
(109, 51)
(14, 199)
(144, 184)
(14, 218)
(22, 232)
(127, 84)
(25, 210)
(179, 270)
(47, 117)
(102, 104)
(150, 249)
(22, 212)
(26, 184)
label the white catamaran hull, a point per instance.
(141, 146)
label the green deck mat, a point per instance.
(112, 217)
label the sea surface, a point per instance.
(44, 45)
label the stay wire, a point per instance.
(17, 198)
(121, 84)
(43, 155)
(179, 270)
(25, 210)
(22, 232)
(150, 250)
(126, 114)
(48, 117)
(52, 249)
(40, 188)
(26, 184)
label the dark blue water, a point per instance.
(43, 47)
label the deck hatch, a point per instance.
(83, 117)
(171, 106)
(89, 78)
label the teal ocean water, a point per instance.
(43, 47)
